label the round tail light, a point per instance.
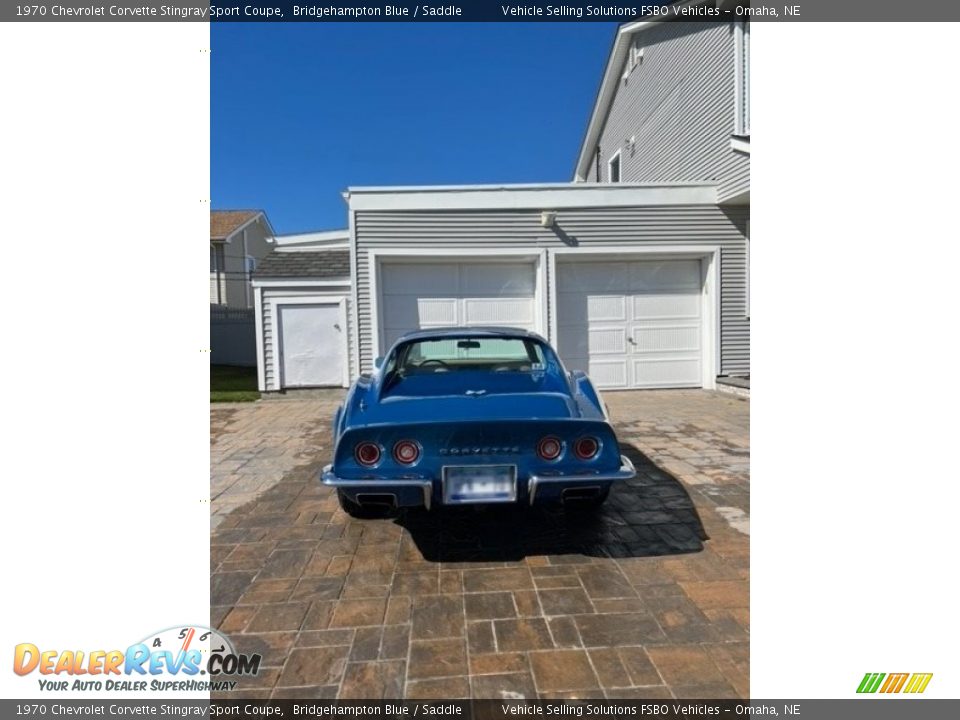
(367, 453)
(549, 448)
(586, 448)
(406, 452)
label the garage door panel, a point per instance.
(576, 308)
(411, 311)
(496, 279)
(667, 338)
(608, 374)
(666, 372)
(674, 275)
(436, 311)
(611, 308)
(607, 341)
(598, 277)
(666, 305)
(498, 311)
(436, 279)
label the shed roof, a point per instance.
(319, 265)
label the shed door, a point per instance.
(311, 345)
(632, 324)
(451, 294)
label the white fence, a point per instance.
(233, 337)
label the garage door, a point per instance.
(450, 294)
(311, 345)
(632, 324)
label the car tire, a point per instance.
(361, 512)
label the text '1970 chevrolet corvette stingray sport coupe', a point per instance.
(459, 416)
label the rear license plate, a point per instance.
(464, 484)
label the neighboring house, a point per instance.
(238, 240)
(637, 275)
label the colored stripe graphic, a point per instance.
(870, 682)
(918, 682)
(895, 682)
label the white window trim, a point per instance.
(740, 144)
(617, 156)
(741, 45)
(709, 256)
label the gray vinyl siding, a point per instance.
(271, 372)
(679, 105)
(627, 227)
(737, 182)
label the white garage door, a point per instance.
(311, 345)
(632, 324)
(450, 294)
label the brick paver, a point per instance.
(647, 599)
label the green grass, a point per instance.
(233, 384)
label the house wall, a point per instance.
(687, 225)
(238, 293)
(271, 374)
(679, 105)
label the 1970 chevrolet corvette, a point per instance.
(472, 416)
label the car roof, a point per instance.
(461, 332)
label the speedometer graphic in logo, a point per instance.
(190, 649)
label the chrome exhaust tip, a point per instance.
(384, 500)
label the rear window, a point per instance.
(472, 353)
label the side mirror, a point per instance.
(378, 363)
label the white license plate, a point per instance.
(479, 484)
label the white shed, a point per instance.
(303, 308)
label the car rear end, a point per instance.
(434, 463)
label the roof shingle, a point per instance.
(224, 222)
(322, 265)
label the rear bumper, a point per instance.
(420, 488)
(563, 482)
(419, 492)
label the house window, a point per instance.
(218, 278)
(613, 168)
(742, 73)
(249, 264)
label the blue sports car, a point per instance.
(460, 416)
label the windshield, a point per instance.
(491, 354)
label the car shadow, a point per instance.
(651, 515)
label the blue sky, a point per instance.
(300, 111)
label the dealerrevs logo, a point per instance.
(182, 658)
